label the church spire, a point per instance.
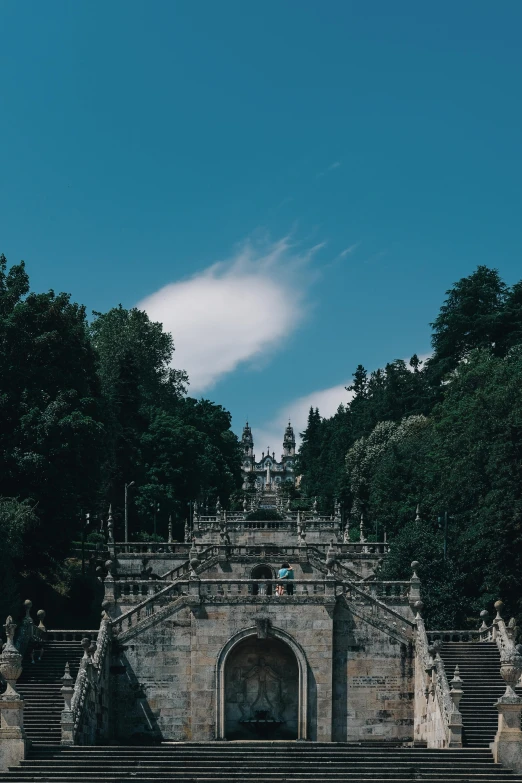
(247, 441)
(289, 441)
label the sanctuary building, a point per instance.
(203, 641)
(269, 473)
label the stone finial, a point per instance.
(194, 560)
(170, 539)
(512, 628)
(28, 605)
(109, 565)
(110, 526)
(314, 506)
(418, 606)
(187, 532)
(337, 509)
(67, 688)
(330, 557)
(85, 643)
(417, 513)
(414, 594)
(510, 670)
(10, 662)
(361, 529)
(484, 615)
(245, 505)
(195, 509)
(41, 617)
(499, 605)
(106, 605)
(456, 691)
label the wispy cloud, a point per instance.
(237, 310)
(348, 250)
(335, 165)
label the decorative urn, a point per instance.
(10, 662)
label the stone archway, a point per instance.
(260, 573)
(261, 688)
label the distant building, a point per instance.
(268, 471)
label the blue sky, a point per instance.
(290, 186)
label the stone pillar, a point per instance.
(507, 745)
(67, 722)
(12, 735)
(414, 593)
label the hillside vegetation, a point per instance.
(446, 435)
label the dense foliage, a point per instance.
(86, 408)
(447, 435)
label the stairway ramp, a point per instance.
(479, 667)
(39, 686)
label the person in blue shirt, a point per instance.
(285, 572)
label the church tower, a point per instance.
(289, 442)
(247, 442)
(288, 458)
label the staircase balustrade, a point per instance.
(438, 720)
(507, 745)
(85, 717)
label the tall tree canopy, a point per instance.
(87, 407)
(446, 435)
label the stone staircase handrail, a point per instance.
(90, 677)
(449, 716)
(185, 568)
(358, 589)
(454, 635)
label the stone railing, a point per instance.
(151, 548)
(266, 589)
(375, 611)
(357, 548)
(185, 568)
(85, 715)
(131, 587)
(65, 635)
(453, 636)
(507, 745)
(438, 720)
(197, 590)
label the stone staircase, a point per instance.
(39, 686)
(479, 665)
(258, 762)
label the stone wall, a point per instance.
(373, 696)
(165, 678)
(193, 673)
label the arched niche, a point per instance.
(260, 686)
(259, 574)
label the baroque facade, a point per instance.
(198, 644)
(267, 473)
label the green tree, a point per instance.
(469, 318)
(50, 408)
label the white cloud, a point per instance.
(327, 400)
(348, 250)
(235, 310)
(335, 165)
